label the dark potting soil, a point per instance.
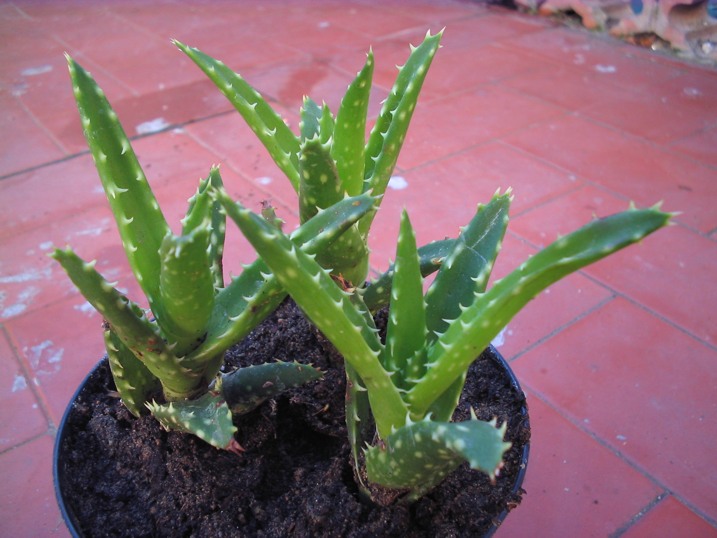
(128, 477)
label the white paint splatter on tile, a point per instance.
(23, 300)
(34, 71)
(605, 69)
(499, 340)
(94, 231)
(14, 310)
(44, 358)
(19, 383)
(86, 308)
(30, 275)
(152, 126)
(397, 183)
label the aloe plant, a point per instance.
(176, 349)
(410, 384)
(330, 158)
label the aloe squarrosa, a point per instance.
(408, 386)
(174, 351)
(330, 157)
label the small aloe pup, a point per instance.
(178, 350)
(330, 158)
(410, 385)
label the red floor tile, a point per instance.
(488, 64)
(641, 388)
(672, 274)
(675, 109)
(611, 61)
(575, 487)
(146, 63)
(64, 189)
(670, 518)
(374, 22)
(625, 165)
(20, 414)
(449, 190)
(310, 31)
(30, 144)
(493, 26)
(653, 272)
(58, 346)
(27, 499)
(565, 85)
(32, 279)
(437, 131)
(700, 146)
(440, 11)
(172, 161)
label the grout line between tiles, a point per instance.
(227, 163)
(564, 326)
(42, 127)
(616, 452)
(34, 388)
(640, 515)
(51, 432)
(132, 138)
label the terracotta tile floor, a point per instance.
(619, 362)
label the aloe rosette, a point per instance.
(330, 158)
(174, 351)
(410, 385)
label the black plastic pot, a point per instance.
(68, 514)
(75, 528)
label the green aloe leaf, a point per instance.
(406, 331)
(247, 388)
(140, 221)
(252, 296)
(130, 324)
(186, 288)
(203, 208)
(310, 124)
(350, 131)
(207, 417)
(467, 268)
(269, 127)
(327, 126)
(420, 455)
(389, 131)
(377, 293)
(134, 382)
(464, 274)
(320, 184)
(478, 324)
(331, 310)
